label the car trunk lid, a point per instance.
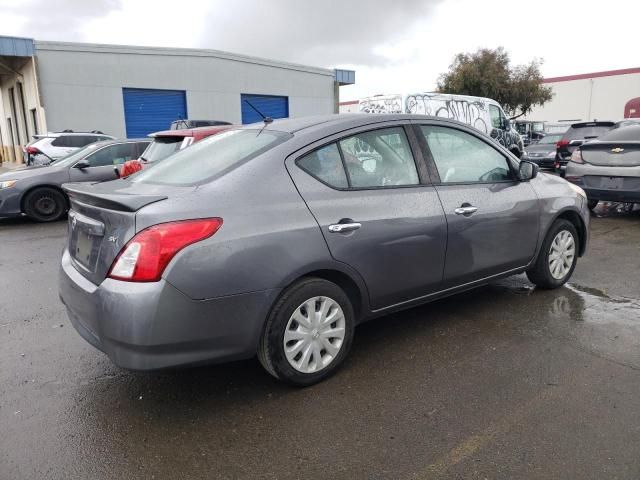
(102, 219)
(612, 154)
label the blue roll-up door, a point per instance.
(269, 105)
(148, 110)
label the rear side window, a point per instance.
(379, 158)
(211, 157)
(62, 141)
(326, 165)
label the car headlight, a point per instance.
(578, 190)
(7, 184)
(551, 155)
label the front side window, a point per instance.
(326, 165)
(462, 158)
(496, 117)
(113, 155)
(379, 158)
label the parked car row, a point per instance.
(36, 190)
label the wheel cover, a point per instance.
(45, 205)
(314, 334)
(561, 254)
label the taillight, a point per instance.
(145, 256)
(32, 150)
(576, 156)
(130, 167)
(562, 143)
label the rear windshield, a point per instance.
(550, 139)
(211, 157)
(161, 147)
(624, 134)
(593, 131)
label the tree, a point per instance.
(488, 73)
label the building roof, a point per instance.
(584, 76)
(191, 52)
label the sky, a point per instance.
(395, 46)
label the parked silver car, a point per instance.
(608, 168)
(277, 239)
(37, 191)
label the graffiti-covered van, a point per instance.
(481, 113)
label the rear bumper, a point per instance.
(630, 196)
(149, 326)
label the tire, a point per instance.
(542, 272)
(271, 350)
(592, 204)
(45, 204)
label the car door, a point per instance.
(492, 218)
(376, 210)
(102, 163)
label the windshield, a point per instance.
(75, 156)
(161, 147)
(210, 157)
(549, 139)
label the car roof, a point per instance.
(190, 132)
(342, 121)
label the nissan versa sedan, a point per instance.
(277, 239)
(608, 168)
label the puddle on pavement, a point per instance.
(606, 324)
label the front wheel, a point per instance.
(557, 258)
(308, 333)
(592, 204)
(45, 204)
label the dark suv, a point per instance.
(577, 134)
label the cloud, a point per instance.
(55, 19)
(328, 32)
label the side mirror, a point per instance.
(82, 164)
(527, 171)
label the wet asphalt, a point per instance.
(503, 382)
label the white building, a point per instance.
(610, 95)
(129, 91)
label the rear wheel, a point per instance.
(592, 204)
(45, 204)
(308, 333)
(558, 256)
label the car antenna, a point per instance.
(265, 119)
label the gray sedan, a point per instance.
(277, 239)
(37, 191)
(608, 168)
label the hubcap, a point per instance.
(314, 334)
(46, 205)
(561, 254)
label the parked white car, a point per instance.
(482, 113)
(43, 149)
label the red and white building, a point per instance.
(610, 95)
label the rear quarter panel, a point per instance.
(268, 236)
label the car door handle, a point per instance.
(466, 211)
(344, 227)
